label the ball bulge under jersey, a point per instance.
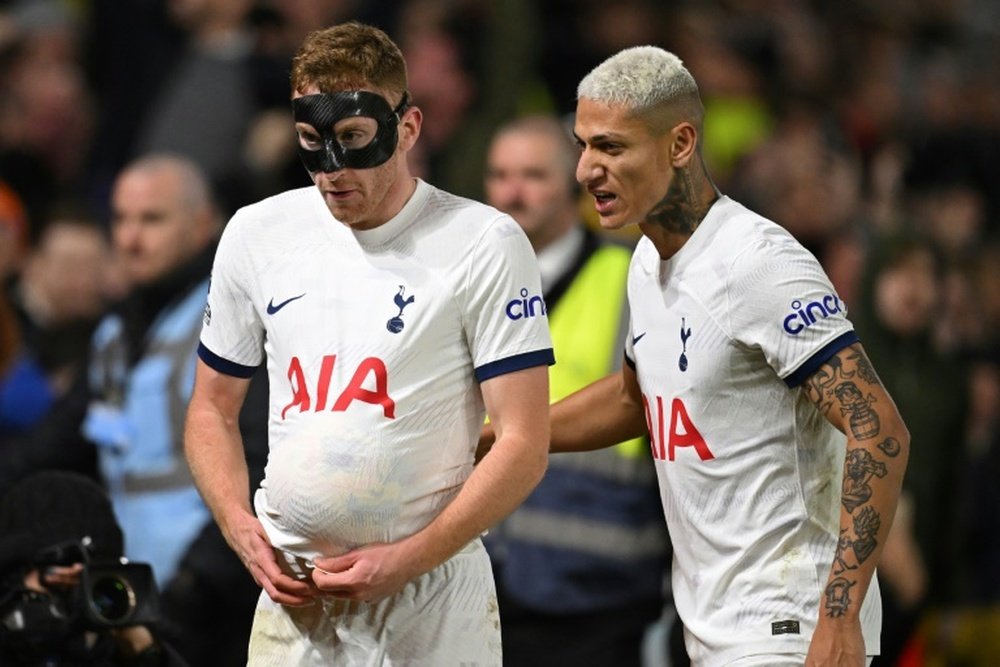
(375, 342)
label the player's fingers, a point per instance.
(285, 592)
(332, 583)
(325, 580)
(287, 599)
(340, 587)
(332, 564)
(293, 586)
(285, 583)
(263, 566)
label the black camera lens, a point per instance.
(112, 599)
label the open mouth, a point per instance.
(604, 201)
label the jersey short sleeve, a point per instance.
(634, 267)
(232, 333)
(506, 317)
(782, 302)
(629, 351)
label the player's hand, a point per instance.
(837, 642)
(367, 574)
(246, 536)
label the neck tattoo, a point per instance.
(679, 212)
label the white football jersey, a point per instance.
(375, 343)
(750, 472)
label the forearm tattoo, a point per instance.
(890, 447)
(843, 545)
(678, 212)
(835, 382)
(838, 597)
(866, 525)
(859, 468)
(842, 386)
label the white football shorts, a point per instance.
(448, 616)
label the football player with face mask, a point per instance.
(382, 307)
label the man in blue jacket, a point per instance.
(123, 421)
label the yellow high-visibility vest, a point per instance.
(587, 326)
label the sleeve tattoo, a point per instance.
(842, 387)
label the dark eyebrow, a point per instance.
(599, 138)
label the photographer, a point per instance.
(65, 598)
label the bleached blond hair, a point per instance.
(644, 79)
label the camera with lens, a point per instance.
(110, 594)
(51, 621)
(118, 594)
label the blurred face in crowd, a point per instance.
(364, 198)
(624, 164)
(205, 14)
(156, 224)
(906, 292)
(69, 270)
(527, 177)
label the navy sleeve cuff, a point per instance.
(515, 363)
(628, 361)
(813, 363)
(224, 366)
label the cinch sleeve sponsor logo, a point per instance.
(525, 306)
(802, 317)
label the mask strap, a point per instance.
(402, 106)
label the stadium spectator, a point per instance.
(580, 566)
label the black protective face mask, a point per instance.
(355, 129)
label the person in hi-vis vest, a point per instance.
(580, 565)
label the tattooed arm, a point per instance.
(848, 392)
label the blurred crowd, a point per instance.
(869, 128)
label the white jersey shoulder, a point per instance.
(760, 285)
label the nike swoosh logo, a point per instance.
(272, 309)
(636, 339)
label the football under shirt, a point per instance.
(375, 343)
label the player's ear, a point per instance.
(683, 144)
(409, 128)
